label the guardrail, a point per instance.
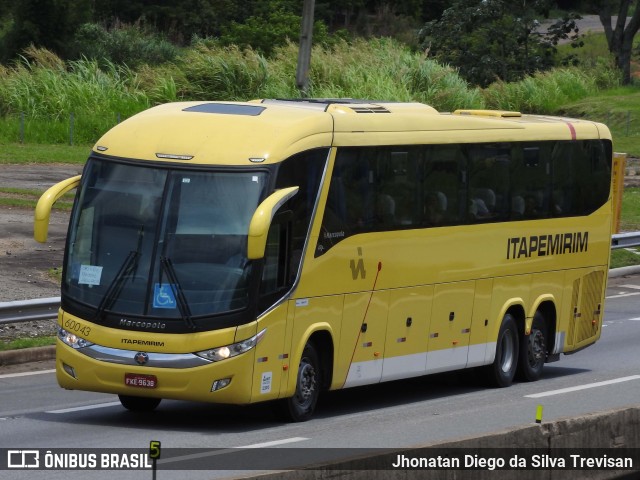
(625, 240)
(27, 310)
(46, 308)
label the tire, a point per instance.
(139, 404)
(503, 369)
(301, 406)
(533, 350)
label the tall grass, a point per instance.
(42, 86)
(546, 92)
(39, 93)
(223, 73)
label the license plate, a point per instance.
(140, 381)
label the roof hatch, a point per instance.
(226, 109)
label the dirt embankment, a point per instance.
(25, 263)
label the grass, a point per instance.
(624, 258)
(16, 153)
(630, 216)
(27, 198)
(21, 343)
(619, 109)
(55, 273)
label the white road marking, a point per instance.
(583, 387)
(637, 319)
(86, 407)
(623, 295)
(25, 374)
(633, 287)
(225, 451)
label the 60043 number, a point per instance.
(77, 327)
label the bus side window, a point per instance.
(276, 272)
(562, 179)
(305, 171)
(444, 185)
(489, 182)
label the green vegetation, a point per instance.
(630, 216)
(27, 343)
(42, 153)
(55, 273)
(46, 100)
(624, 258)
(619, 108)
(19, 197)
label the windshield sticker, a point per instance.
(163, 296)
(90, 275)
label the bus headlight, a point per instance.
(228, 351)
(72, 339)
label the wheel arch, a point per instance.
(323, 342)
(321, 335)
(518, 314)
(547, 308)
(515, 308)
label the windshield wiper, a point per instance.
(115, 287)
(128, 267)
(178, 292)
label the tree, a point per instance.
(489, 40)
(44, 23)
(620, 37)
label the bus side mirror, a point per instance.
(45, 203)
(261, 221)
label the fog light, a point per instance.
(69, 369)
(220, 384)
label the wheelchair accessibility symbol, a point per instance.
(163, 296)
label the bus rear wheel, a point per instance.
(533, 350)
(501, 372)
(139, 404)
(301, 406)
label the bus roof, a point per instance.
(267, 131)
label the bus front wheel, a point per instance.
(301, 406)
(533, 350)
(501, 372)
(139, 404)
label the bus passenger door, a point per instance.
(362, 338)
(405, 352)
(450, 326)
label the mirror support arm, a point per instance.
(45, 204)
(261, 221)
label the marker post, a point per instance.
(154, 455)
(539, 414)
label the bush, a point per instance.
(123, 44)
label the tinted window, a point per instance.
(397, 187)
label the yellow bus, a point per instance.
(239, 252)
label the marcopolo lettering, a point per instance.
(124, 322)
(545, 245)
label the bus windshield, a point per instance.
(165, 242)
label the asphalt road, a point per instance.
(36, 413)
